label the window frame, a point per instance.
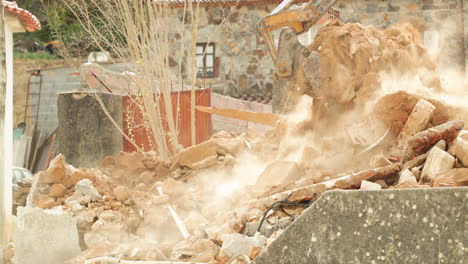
(205, 73)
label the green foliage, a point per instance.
(58, 24)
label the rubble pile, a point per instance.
(353, 55)
(226, 199)
(199, 207)
(20, 193)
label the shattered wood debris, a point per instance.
(205, 204)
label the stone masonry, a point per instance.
(243, 66)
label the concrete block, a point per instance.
(45, 236)
(437, 161)
(407, 176)
(417, 121)
(459, 147)
(86, 187)
(396, 225)
(236, 244)
(367, 185)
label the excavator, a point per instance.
(287, 57)
(294, 63)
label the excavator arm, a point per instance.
(298, 21)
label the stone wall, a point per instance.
(243, 65)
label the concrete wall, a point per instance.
(387, 226)
(54, 80)
(86, 134)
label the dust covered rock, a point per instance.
(459, 147)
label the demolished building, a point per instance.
(283, 196)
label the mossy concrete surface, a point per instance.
(385, 226)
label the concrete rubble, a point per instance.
(136, 207)
(225, 200)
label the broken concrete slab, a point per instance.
(363, 132)
(237, 244)
(407, 176)
(437, 161)
(459, 147)
(415, 162)
(86, 187)
(416, 122)
(380, 225)
(45, 236)
(382, 183)
(267, 229)
(452, 178)
(199, 156)
(367, 185)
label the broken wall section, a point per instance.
(86, 134)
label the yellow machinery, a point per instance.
(290, 53)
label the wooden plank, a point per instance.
(49, 153)
(260, 118)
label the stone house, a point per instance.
(237, 63)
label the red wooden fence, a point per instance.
(134, 127)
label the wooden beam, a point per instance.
(260, 118)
